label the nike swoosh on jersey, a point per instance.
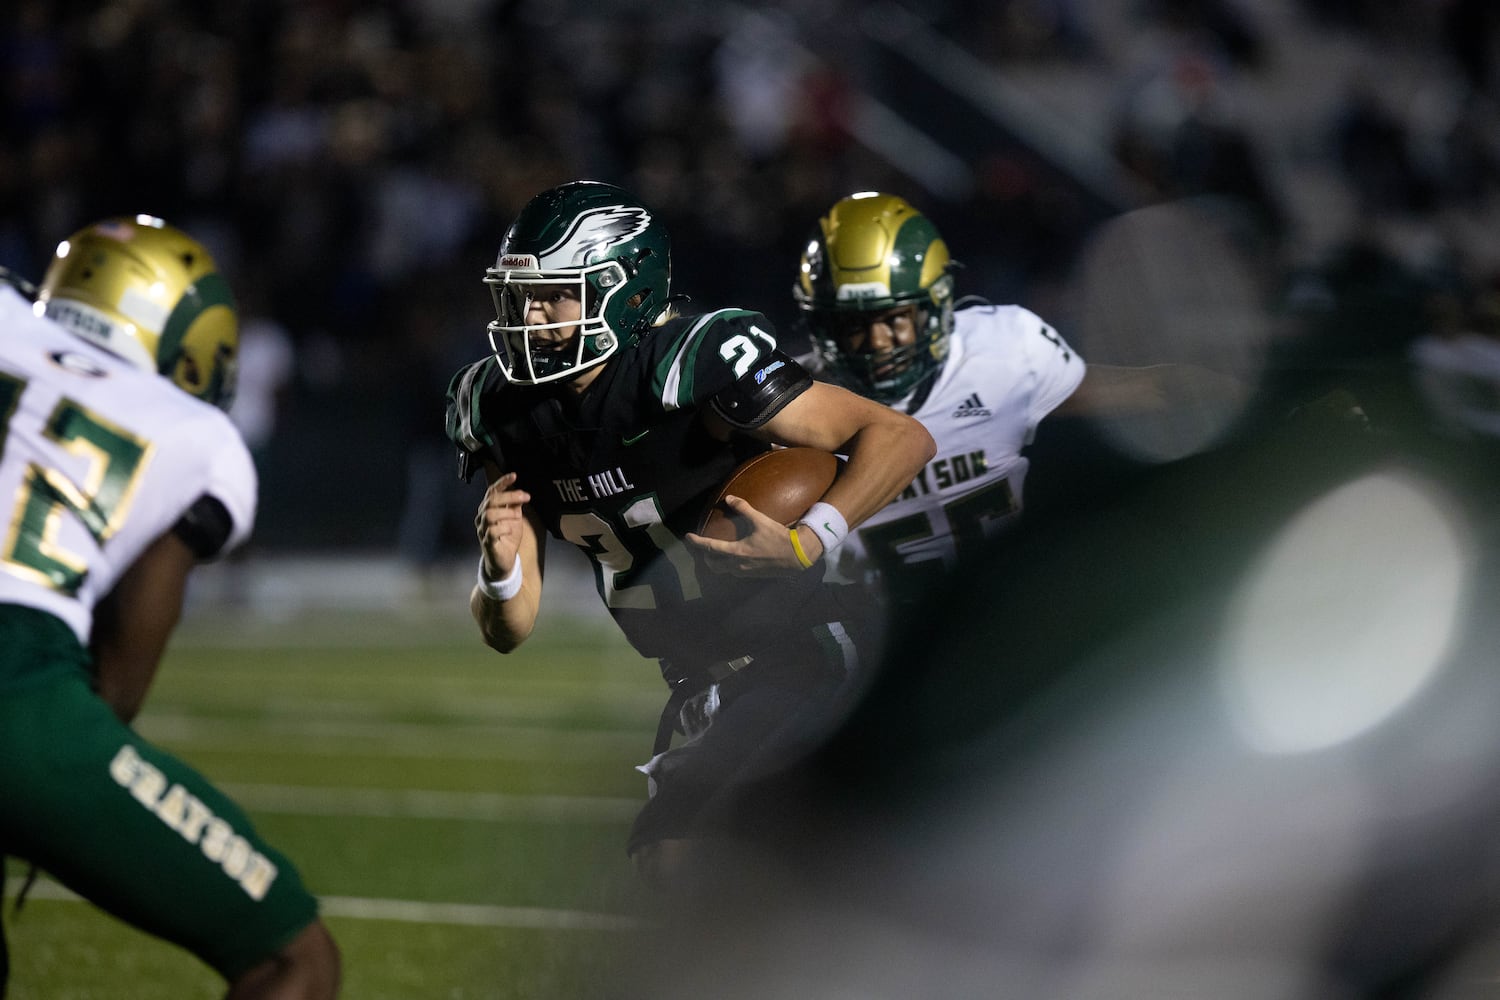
(628, 441)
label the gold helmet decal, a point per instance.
(151, 294)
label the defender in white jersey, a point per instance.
(1006, 370)
(876, 290)
(119, 471)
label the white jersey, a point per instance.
(1006, 370)
(98, 459)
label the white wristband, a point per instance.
(501, 590)
(825, 521)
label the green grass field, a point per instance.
(461, 815)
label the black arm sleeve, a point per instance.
(205, 527)
(759, 395)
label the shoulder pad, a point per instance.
(462, 419)
(700, 356)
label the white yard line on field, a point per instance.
(411, 911)
(375, 738)
(421, 804)
(473, 915)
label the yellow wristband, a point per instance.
(797, 548)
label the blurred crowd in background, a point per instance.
(353, 166)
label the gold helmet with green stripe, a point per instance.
(873, 253)
(151, 294)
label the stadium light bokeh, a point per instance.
(1349, 613)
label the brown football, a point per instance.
(781, 483)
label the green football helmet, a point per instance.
(872, 253)
(150, 293)
(596, 240)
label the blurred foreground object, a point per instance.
(1229, 733)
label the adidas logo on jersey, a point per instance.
(971, 407)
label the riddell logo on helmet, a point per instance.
(516, 260)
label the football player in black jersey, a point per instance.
(607, 421)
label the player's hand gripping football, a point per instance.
(499, 525)
(764, 547)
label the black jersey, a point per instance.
(627, 468)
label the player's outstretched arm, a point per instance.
(508, 593)
(134, 621)
(1123, 391)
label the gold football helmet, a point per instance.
(151, 294)
(874, 252)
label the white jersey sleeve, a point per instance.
(231, 479)
(98, 460)
(1056, 367)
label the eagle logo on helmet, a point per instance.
(593, 232)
